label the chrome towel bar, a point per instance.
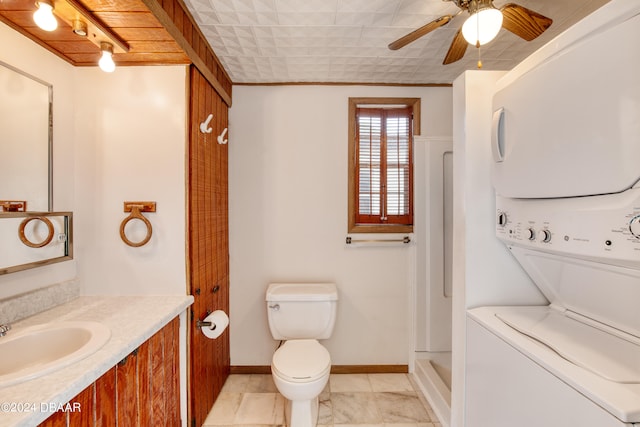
(405, 239)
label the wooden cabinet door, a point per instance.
(142, 390)
(208, 245)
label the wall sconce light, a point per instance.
(43, 17)
(106, 61)
(484, 23)
(85, 24)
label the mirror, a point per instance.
(34, 239)
(26, 128)
(30, 234)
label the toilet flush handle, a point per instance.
(275, 307)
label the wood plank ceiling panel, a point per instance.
(149, 42)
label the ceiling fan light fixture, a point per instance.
(43, 17)
(482, 26)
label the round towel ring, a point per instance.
(135, 214)
(28, 242)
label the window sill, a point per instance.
(387, 228)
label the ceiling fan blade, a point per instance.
(457, 49)
(524, 22)
(416, 34)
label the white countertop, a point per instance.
(132, 319)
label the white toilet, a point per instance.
(300, 314)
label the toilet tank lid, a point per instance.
(302, 292)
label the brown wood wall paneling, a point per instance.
(175, 17)
(142, 390)
(208, 244)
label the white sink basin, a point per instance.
(34, 351)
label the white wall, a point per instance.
(116, 137)
(288, 220)
(130, 128)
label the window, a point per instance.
(381, 164)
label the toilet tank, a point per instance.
(301, 310)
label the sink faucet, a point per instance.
(4, 329)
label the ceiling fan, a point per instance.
(484, 16)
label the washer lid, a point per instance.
(301, 360)
(609, 356)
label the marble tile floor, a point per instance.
(384, 400)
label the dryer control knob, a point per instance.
(634, 226)
(545, 236)
(530, 234)
(502, 219)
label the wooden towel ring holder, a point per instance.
(26, 240)
(136, 209)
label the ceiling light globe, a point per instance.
(483, 26)
(44, 18)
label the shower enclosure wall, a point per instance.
(433, 276)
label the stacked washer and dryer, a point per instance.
(566, 172)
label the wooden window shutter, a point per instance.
(384, 166)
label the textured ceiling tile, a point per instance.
(228, 18)
(201, 5)
(266, 42)
(291, 42)
(234, 50)
(206, 18)
(247, 18)
(231, 42)
(410, 20)
(254, 39)
(299, 18)
(343, 31)
(308, 61)
(381, 6)
(267, 18)
(264, 6)
(354, 18)
(269, 51)
(292, 51)
(415, 6)
(306, 6)
(384, 32)
(226, 31)
(210, 32)
(382, 19)
(263, 31)
(243, 6)
(243, 31)
(223, 5)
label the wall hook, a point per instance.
(221, 136)
(204, 126)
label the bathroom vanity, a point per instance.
(135, 375)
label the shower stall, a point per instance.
(433, 290)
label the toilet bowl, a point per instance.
(300, 370)
(299, 315)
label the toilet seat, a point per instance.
(301, 361)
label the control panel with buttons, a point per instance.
(605, 227)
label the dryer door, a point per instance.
(570, 124)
